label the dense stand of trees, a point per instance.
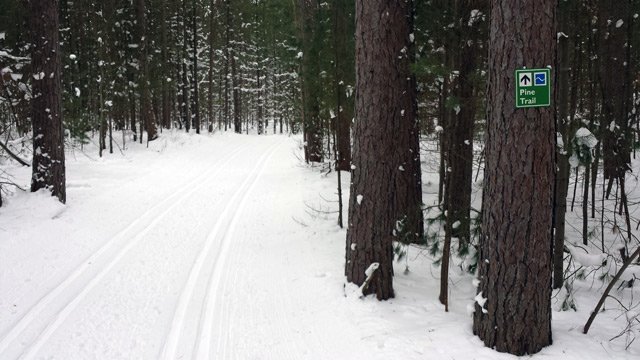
(143, 66)
(365, 82)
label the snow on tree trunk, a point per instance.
(46, 103)
(386, 159)
(514, 269)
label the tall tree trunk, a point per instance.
(385, 142)
(562, 152)
(46, 104)
(146, 114)
(102, 127)
(196, 97)
(616, 146)
(237, 102)
(310, 82)
(585, 206)
(132, 112)
(212, 34)
(259, 88)
(513, 305)
(226, 69)
(459, 150)
(185, 88)
(344, 76)
(166, 122)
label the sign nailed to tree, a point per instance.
(533, 88)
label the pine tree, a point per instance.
(385, 143)
(513, 305)
(46, 104)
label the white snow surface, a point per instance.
(587, 258)
(203, 247)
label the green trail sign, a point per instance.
(533, 88)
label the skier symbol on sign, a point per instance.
(524, 79)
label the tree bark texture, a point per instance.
(563, 153)
(406, 134)
(344, 76)
(459, 129)
(310, 81)
(513, 308)
(385, 155)
(46, 103)
(616, 145)
(458, 154)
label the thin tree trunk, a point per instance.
(585, 205)
(562, 153)
(226, 70)
(186, 114)
(613, 84)
(575, 189)
(196, 85)
(212, 34)
(237, 102)
(344, 74)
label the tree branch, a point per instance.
(16, 157)
(606, 292)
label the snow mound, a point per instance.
(584, 258)
(39, 205)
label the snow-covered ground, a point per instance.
(212, 247)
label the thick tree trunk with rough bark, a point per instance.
(385, 141)
(513, 308)
(46, 104)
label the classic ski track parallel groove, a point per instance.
(148, 219)
(213, 294)
(232, 209)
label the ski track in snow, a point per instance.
(222, 231)
(141, 226)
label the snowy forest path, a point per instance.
(86, 276)
(122, 257)
(211, 257)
